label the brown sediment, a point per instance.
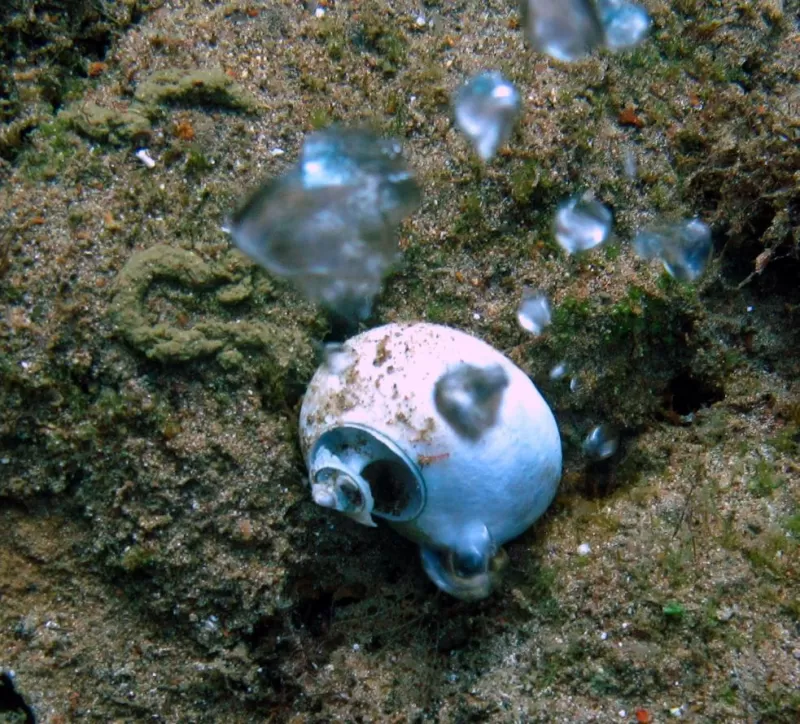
(159, 554)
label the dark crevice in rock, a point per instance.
(12, 705)
(686, 394)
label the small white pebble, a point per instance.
(603, 635)
(623, 713)
(584, 549)
(277, 152)
(476, 316)
(420, 21)
(676, 711)
(319, 13)
(750, 309)
(726, 613)
(356, 647)
(145, 158)
(629, 163)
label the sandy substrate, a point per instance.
(160, 557)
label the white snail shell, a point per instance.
(377, 447)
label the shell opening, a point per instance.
(338, 487)
(377, 469)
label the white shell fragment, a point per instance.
(378, 445)
(144, 156)
(486, 107)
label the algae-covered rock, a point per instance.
(107, 124)
(235, 293)
(627, 356)
(195, 88)
(9, 97)
(12, 135)
(170, 342)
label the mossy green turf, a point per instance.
(150, 376)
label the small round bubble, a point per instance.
(601, 442)
(626, 24)
(581, 224)
(485, 109)
(534, 313)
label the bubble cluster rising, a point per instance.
(328, 225)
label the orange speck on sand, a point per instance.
(643, 716)
(628, 117)
(762, 260)
(110, 222)
(95, 69)
(184, 130)
(245, 529)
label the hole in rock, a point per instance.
(12, 703)
(687, 394)
(314, 613)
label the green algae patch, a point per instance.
(174, 341)
(13, 135)
(9, 96)
(107, 125)
(212, 88)
(235, 293)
